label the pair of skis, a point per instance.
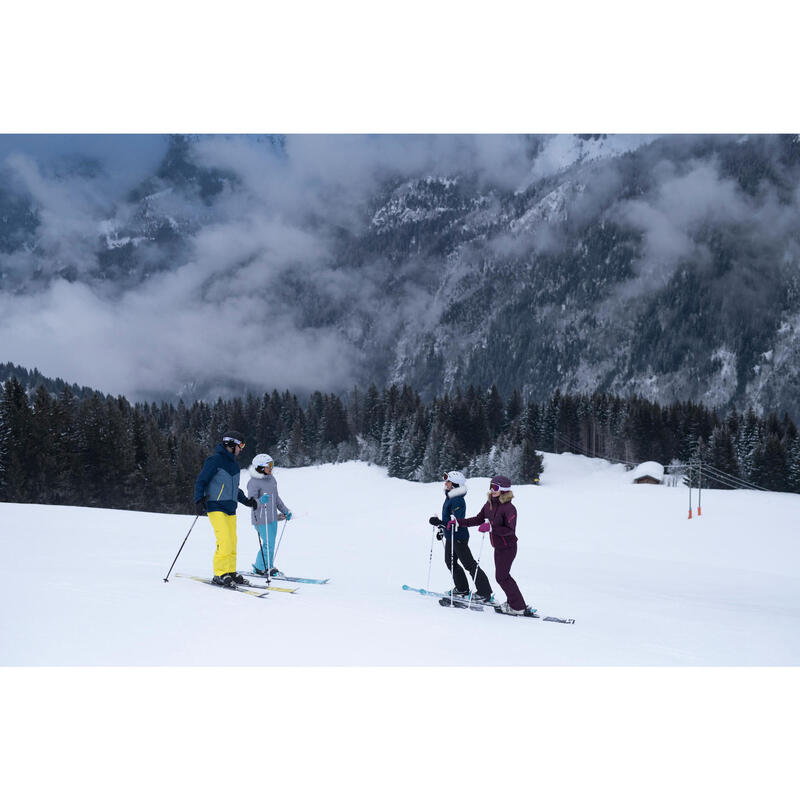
(257, 589)
(236, 587)
(475, 605)
(447, 601)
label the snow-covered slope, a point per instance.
(646, 585)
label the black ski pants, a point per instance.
(464, 555)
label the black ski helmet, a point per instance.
(232, 438)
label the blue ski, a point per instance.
(429, 593)
(287, 578)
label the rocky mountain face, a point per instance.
(671, 272)
(667, 266)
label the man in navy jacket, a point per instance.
(216, 493)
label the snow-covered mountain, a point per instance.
(662, 265)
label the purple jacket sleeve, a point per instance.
(471, 522)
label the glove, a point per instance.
(251, 501)
(485, 527)
(435, 521)
(440, 533)
(452, 525)
(288, 515)
(200, 507)
(264, 499)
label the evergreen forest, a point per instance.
(61, 445)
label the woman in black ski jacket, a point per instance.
(456, 539)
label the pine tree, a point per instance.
(496, 419)
(747, 441)
(513, 408)
(530, 463)
(449, 455)
(769, 465)
(297, 447)
(412, 448)
(793, 464)
(44, 458)
(722, 456)
(431, 468)
(15, 457)
(157, 470)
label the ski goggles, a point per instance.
(231, 442)
(496, 487)
(262, 468)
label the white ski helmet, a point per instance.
(262, 460)
(455, 477)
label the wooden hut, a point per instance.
(649, 472)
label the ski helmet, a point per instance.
(262, 461)
(500, 483)
(232, 438)
(455, 477)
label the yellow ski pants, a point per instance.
(224, 526)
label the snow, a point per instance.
(561, 152)
(646, 586)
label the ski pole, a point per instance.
(477, 566)
(263, 557)
(430, 559)
(269, 559)
(277, 546)
(166, 579)
(261, 545)
(452, 566)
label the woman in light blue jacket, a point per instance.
(264, 488)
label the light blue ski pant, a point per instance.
(267, 533)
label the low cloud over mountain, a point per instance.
(662, 265)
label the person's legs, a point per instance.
(263, 550)
(503, 558)
(459, 578)
(224, 526)
(272, 534)
(464, 555)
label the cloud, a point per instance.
(685, 202)
(230, 312)
(257, 294)
(68, 213)
(151, 341)
(119, 161)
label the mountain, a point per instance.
(660, 265)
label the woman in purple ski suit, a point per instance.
(499, 517)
